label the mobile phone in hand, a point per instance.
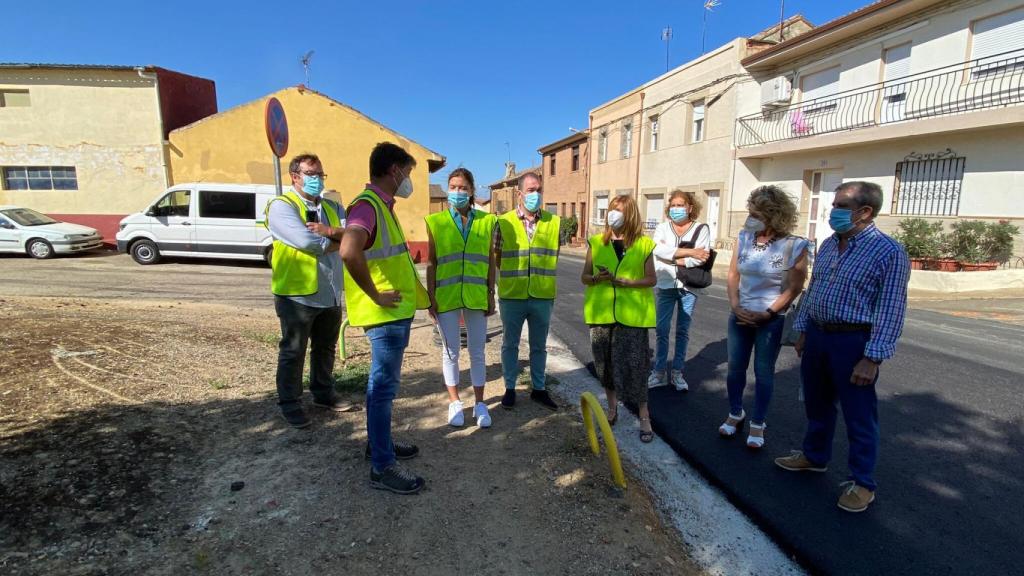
(311, 216)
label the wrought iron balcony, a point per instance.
(991, 82)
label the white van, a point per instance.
(202, 220)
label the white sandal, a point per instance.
(729, 430)
(756, 442)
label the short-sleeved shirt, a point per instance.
(762, 269)
(362, 214)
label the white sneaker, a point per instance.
(483, 417)
(455, 416)
(656, 379)
(679, 382)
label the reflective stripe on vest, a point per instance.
(391, 268)
(528, 267)
(294, 272)
(607, 304)
(460, 275)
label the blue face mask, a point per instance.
(532, 201)
(841, 220)
(458, 200)
(312, 185)
(677, 214)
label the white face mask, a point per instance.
(616, 219)
(404, 189)
(753, 225)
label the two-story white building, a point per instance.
(923, 97)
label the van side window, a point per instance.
(240, 205)
(174, 204)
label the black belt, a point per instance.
(841, 327)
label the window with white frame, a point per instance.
(819, 85)
(991, 38)
(40, 178)
(627, 138)
(698, 121)
(654, 133)
(602, 145)
(601, 207)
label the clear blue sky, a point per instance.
(460, 77)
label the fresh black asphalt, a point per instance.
(951, 464)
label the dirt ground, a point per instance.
(125, 422)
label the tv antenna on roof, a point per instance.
(305, 65)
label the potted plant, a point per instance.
(998, 243)
(568, 229)
(920, 239)
(968, 244)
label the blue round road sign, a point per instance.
(276, 125)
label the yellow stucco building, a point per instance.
(232, 147)
(86, 143)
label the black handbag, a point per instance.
(699, 276)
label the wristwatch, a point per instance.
(772, 313)
(874, 361)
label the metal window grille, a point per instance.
(928, 186)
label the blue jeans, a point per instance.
(765, 341)
(668, 300)
(387, 348)
(537, 312)
(826, 367)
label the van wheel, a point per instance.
(268, 254)
(145, 252)
(39, 249)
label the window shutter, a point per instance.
(820, 84)
(897, 62)
(998, 34)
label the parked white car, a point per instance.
(24, 230)
(200, 220)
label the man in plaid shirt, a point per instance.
(849, 322)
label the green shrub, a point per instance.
(999, 241)
(920, 238)
(568, 229)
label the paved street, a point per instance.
(951, 469)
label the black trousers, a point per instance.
(301, 324)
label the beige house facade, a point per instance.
(923, 97)
(88, 144)
(676, 132)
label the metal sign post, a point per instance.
(276, 124)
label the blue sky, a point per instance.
(460, 77)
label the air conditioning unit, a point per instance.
(776, 92)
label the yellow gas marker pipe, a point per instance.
(591, 408)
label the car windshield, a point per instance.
(26, 217)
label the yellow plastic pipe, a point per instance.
(341, 340)
(591, 408)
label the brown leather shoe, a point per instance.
(855, 498)
(797, 462)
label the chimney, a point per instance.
(510, 170)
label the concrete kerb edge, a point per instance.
(721, 539)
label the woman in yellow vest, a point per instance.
(460, 281)
(619, 307)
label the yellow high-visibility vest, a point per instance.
(607, 304)
(460, 278)
(528, 267)
(294, 272)
(391, 268)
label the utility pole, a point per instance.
(666, 37)
(782, 19)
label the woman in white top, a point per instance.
(680, 226)
(766, 275)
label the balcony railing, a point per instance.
(992, 82)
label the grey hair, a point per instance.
(865, 194)
(524, 177)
